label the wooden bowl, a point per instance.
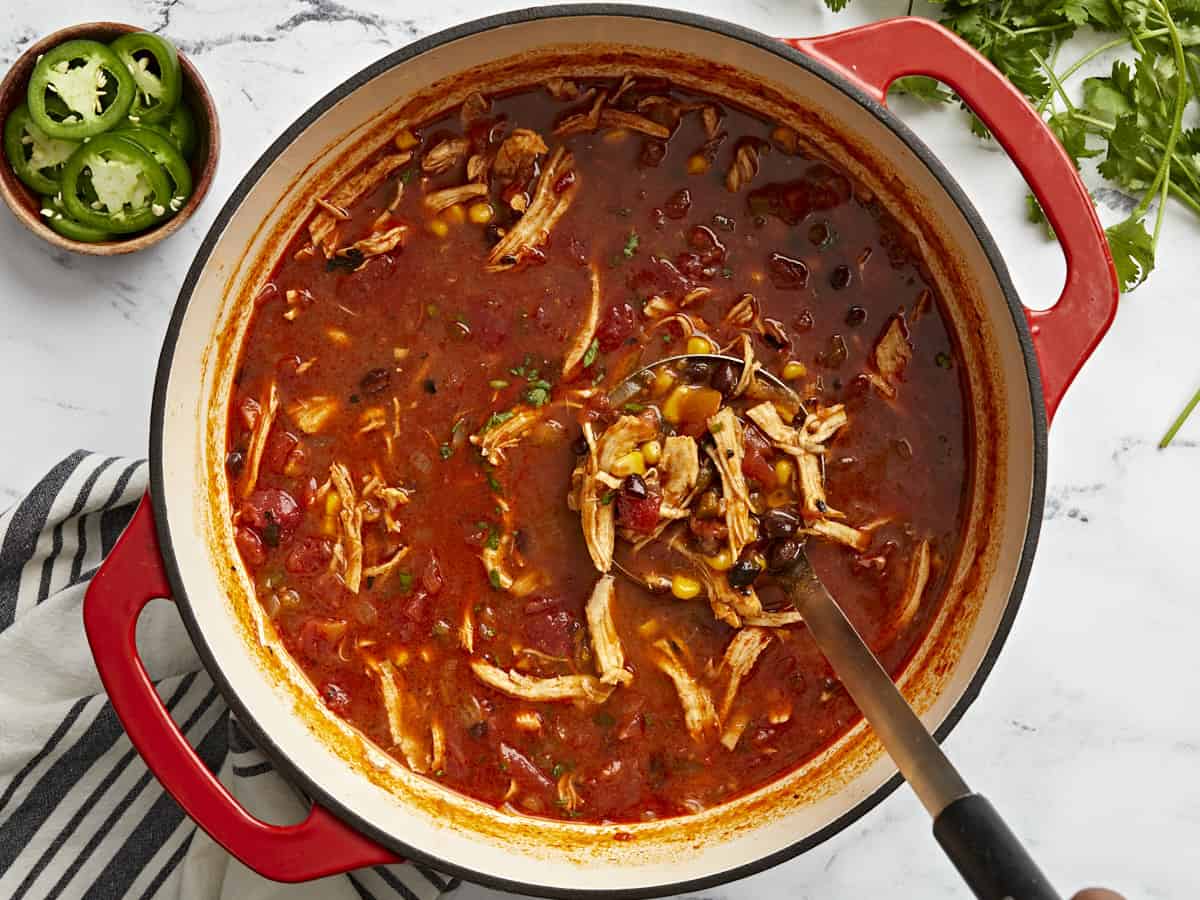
(26, 204)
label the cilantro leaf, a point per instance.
(1132, 251)
(922, 87)
(589, 355)
(631, 245)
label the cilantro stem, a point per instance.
(1179, 420)
(1176, 191)
(1181, 101)
(1092, 54)
(1057, 85)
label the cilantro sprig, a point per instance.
(1132, 118)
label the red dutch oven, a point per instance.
(368, 809)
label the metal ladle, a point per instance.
(986, 853)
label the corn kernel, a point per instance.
(652, 452)
(333, 503)
(406, 140)
(757, 277)
(616, 136)
(697, 164)
(648, 629)
(685, 588)
(787, 414)
(784, 470)
(629, 464)
(794, 369)
(438, 227)
(691, 403)
(699, 344)
(455, 214)
(481, 213)
(664, 380)
(722, 561)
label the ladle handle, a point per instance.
(982, 848)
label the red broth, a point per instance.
(387, 364)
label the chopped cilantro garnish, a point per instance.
(493, 537)
(589, 355)
(405, 581)
(944, 361)
(496, 418)
(446, 451)
(538, 393)
(495, 485)
(631, 244)
(494, 579)
(633, 407)
(608, 497)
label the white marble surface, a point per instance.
(1087, 735)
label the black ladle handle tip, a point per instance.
(987, 854)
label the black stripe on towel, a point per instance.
(63, 727)
(20, 542)
(81, 499)
(149, 835)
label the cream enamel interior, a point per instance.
(413, 812)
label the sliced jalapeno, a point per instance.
(60, 220)
(132, 191)
(182, 128)
(92, 83)
(167, 155)
(154, 65)
(36, 158)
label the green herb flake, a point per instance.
(608, 497)
(493, 537)
(538, 393)
(404, 580)
(496, 418)
(631, 244)
(944, 361)
(634, 408)
(497, 384)
(445, 451)
(589, 355)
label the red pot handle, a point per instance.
(875, 55)
(131, 577)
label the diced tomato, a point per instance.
(615, 327)
(250, 545)
(250, 410)
(638, 513)
(755, 463)
(659, 277)
(319, 637)
(271, 506)
(308, 492)
(551, 631)
(279, 448)
(309, 556)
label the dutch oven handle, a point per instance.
(875, 55)
(131, 577)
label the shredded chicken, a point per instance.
(517, 154)
(710, 116)
(474, 108)
(597, 517)
(495, 562)
(492, 442)
(914, 586)
(466, 631)
(350, 519)
(856, 538)
(616, 118)
(734, 730)
(740, 656)
(311, 413)
(562, 89)
(774, 619)
(322, 227)
(437, 201)
(445, 155)
(394, 702)
(375, 245)
(821, 425)
(479, 165)
(258, 439)
(744, 166)
(749, 366)
(524, 687)
(606, 643)
(727, 455)
(437, 737)
(587, 333)
(622, 437)
(580, 122)
(812, 489)
(891, 355)
(568, 797)
(699, 715)
(681, 463)
(743, 313)
(733, 607)
(382, 570)
(549, 204)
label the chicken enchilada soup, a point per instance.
(530, 577)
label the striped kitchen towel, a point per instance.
(80, 814)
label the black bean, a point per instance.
(579, 446)
(778, 523)
(856, 316)
(840, 278)
(678, 204)
(697, 370)
(234, 461)
(775, 334)
(478, 731)
(375, 381)
(782, 554)
(725, 377)
(652, 153)
(803, 321)
(787, 273)
(821, 234)
(430, 386)
(725, 223)
(743, 573)
(634, 486)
